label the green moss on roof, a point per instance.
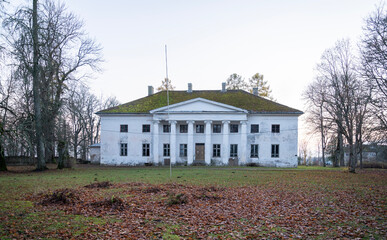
(236, 98)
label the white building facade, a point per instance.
(199, 131)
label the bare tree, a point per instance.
(374, 67)
(53, 49)
(337, 68)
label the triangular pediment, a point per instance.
(198, 105)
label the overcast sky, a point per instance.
(210, 39)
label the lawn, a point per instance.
(94, 202)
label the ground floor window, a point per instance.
(166, 150)
(254, 151)
(234, 150)
(216, 150)
(183, 150)
(145, 149)
(124, 149)
(275, 150)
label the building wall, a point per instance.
(111, 138)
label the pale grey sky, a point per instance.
(210, 39)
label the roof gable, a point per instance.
(198, 105)
(236, 98)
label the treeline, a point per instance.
(46, 108)
(347, 101)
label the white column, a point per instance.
(225, 145)
(155, 141)
(190, 147)
(173, 141)
(207, 149)
(243, 146)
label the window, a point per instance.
(275, 150)
(124, 128)
(124, 149)
(254, 151)
(254, 128)
(216, 128)
(166, 148)
(183, 150)
(234, 150)
(234, 128)
(166, 128)
(145, 149)
(216, 150)
(275, 128)
(184, 128)
(145, 128)
(199, 128)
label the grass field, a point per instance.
(196, 203)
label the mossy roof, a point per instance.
(236, 98)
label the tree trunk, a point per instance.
(340, 145)
(36, 91)
(61, 150)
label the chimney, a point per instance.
(255, 91)
(150, 90)
(189, 87)
(224, 87)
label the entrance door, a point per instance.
(199, 152)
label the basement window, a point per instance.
(184, 128)
(199, 128)
(254, 128)
(216, 128)
(234, 128)
(275, 128)
(124, 128)
(145, 128)
(166, 128)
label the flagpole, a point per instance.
(167, 81)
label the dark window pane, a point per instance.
(146, 128)
(234, 128)
(183, 128)
(123, 128)
(254, 128)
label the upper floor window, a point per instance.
(275, 150)
(234, 128)
(145, 149)
(145, 128)
(124, 149)
(124, 128)
(184, 128)
(254, 128)
(233, 150)
(275, 128)
(166, 128)
(199, 128)
(216, 128)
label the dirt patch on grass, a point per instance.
(61, 196)
(105, 184)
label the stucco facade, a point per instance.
(202, 131)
